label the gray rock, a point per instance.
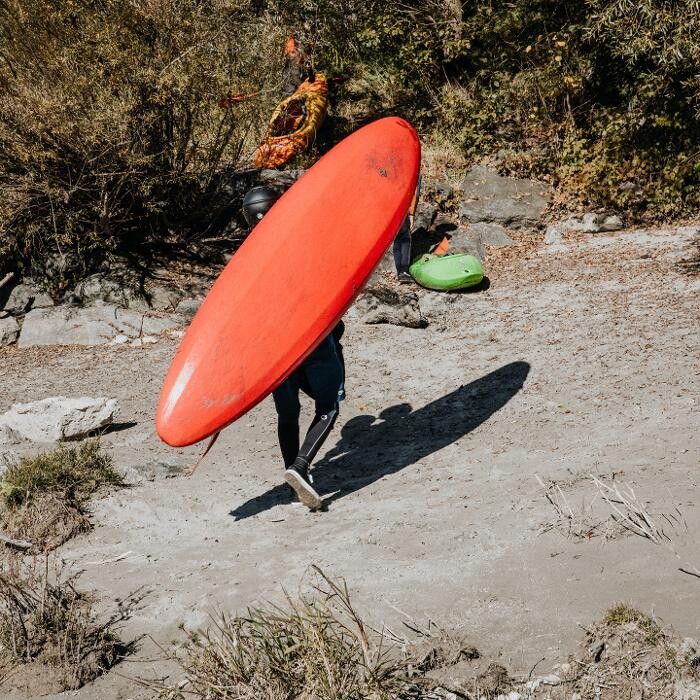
(686, 689)
(124, 291)
(152, 471)
(187, 308)
(26, 296)
(492, 234)
(164, 298)
(490, 198)
(7, 436)
(467, 239)
(425, 216)
(280, 178)
(7, 457)
(382, 303)
(552, 235)
(9, 331)
(59, 418)
(96, 325)
(611, 223)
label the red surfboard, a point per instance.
(292, 279)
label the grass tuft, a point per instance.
(44, 497)
(45, 621)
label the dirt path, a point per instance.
(581, 358)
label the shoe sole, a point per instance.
(305, 491)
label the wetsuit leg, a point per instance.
(324, 372)
(402, 248)
(286, 398)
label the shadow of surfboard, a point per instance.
(371, 448)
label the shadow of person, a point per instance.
(373, 447)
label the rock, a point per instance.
(59, 418)
(7, 436)
(552, 235)
(124, 291)
(96, 325)
(492, 234)
(26, 296)
(187, 308)
(611, 223)
(7, 457)
(280, 178)
(467, 239)
(161, 469)
(425, 216)
(382, 303)
(551, 679)
(592, 223)
(9, 331)
(164, 298)
(686, 689)
(490, 198)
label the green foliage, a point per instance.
(73, 472)
(44, 498)
(111, 131)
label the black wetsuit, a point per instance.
(321, 376)
(402, 248)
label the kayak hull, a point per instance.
(447, 272)
(291, 281)
(294, 124)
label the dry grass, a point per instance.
(629, 655)
(579, 519)
(313, 648)
(45, 621)
(317, 647)
(44, 498)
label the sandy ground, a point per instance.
(581, 358)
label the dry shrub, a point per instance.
(629, 655)
(45, 621)
(44, 498)
(110, 122)
(313, 648)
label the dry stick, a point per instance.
(6, 278)
(19, 544)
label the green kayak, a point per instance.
(447, 272)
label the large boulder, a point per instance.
(489, 197)
(26, 296)
(383, 303)
(9, 331)
(96, 325)
(57, 418)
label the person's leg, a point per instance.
(323, 371)
(402, 251)
(286, 398)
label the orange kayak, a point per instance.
(291, 281)
(294, 124)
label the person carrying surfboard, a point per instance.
(321, 376)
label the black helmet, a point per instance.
(257, 202)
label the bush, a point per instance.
(45, 619)
(112, 133)
(44, 497)
(110, 123)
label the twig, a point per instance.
(19, 544)
(6, 278)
